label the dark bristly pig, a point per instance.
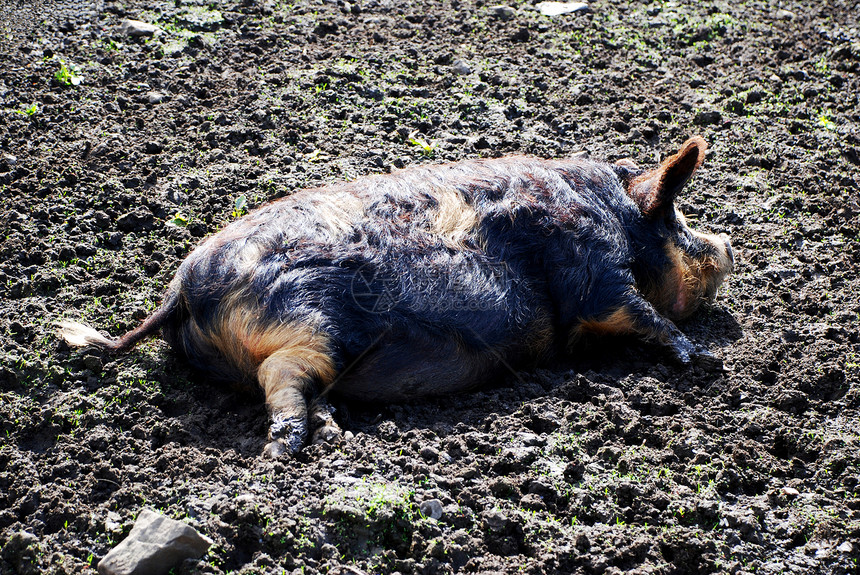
(434, 279)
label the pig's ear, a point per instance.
(655, 191)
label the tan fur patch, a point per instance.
(618, 322)
(246, 340)
(248, 257)
(454, 218)
(689, 281)
(284, 375)
(338, 211)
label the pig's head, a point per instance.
(677, 269)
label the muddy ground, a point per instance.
(120, 153)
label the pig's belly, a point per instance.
(401, 367)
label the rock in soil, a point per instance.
(155, 545)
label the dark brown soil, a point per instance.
(616, 461)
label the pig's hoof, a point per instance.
(706, 360)
(275, 449)
(282, 447)
(328, 434)
(682, 355)
(322, 420)
(286, 436)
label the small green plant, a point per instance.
(178, 219)
(825, 121)
(240, 206)
(29, 111)
(425, 146)
(66, 76)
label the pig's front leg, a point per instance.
(635, 315)
(646, 321)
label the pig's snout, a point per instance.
(730, 253)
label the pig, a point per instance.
(433, 280)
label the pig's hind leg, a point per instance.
(289, 379)
(326, 429)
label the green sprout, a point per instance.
(29, 111)
(178, 219)
(240, 206)
(66, 77)
(426, 147)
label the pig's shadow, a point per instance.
(713, 328)
(611, 359)
(217, 417)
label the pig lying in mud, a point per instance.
(434, 279)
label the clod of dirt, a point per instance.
(20, 553)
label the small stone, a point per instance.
(10, 160)
(845, 547)
(461, 68)
(707, 117)
(348, 435)
(156, 97)
(138, 29)
(431, 508)
(177, 197)
(559, 8)
(783, 14)
(156, 544)
(495, 521)
(502, 11)
(790, 491)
